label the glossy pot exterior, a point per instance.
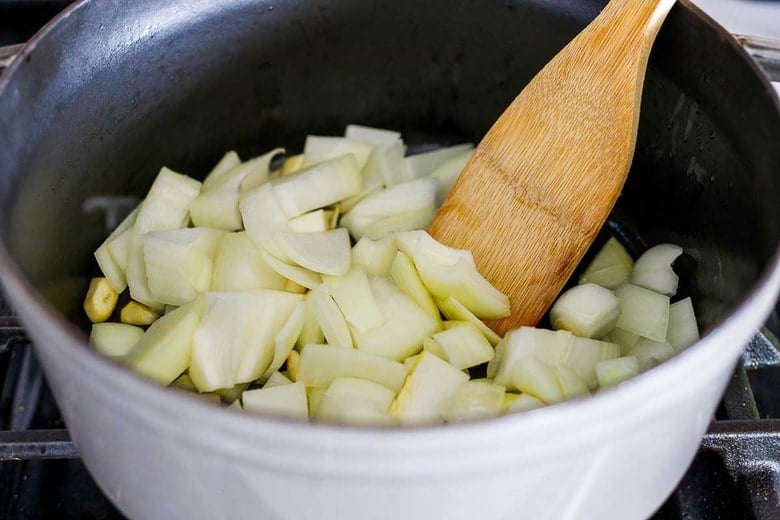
(117, 90)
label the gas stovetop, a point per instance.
(735, 475)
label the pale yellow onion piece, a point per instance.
(427, 391)
(396, 201)
(448, 173)
(683, 330)
(232, 394)
(586, 354)
(464, 345)
(321, 364)
(611, 267)
(228, 161)
(422, 164)
(643, 312)
(319, 148)
(624, 338)
(285, 339)
(276, 379)
(330, 318)
(262, 216)
(404, 275)
(354, 297)
(452, 309)
(297, 274)
(163, 352)
(315, 395)
(524, 403)
(650, 353)
(292, 164)
(311, 332)
(287, 401)
(553, 347)
(375, 255)
(318, 186)
(385, 165)
(112, 260)
(369, 186)
(411, 361)
(498, 360)
(614, 371)
(434, 347)
(165, 207)
(239, 265)
(293, 360)
(418, 219)
(350, 400)
(217, 204)
(417, 242)
(377, 137)
(529, 375)
(114, 339)
(404, 327)
(318, 220)
(235, 340)
(653, 270)
(180, 263)
(587, 310)
(475, 400)
(326, 252)
(569, 382)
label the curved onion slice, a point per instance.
(653, 270)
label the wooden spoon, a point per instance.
(543, 180)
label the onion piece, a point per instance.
(318, 149)
(569, 382)
(464, 345)
(624, 338)
(319, 365)
(650, 353)
(375, 255)
(297, 274)
(523, 403)
(427, 391)
(643, 312)
(354, 297)
(319, 220)
(318, 186)
(529, 375)
(350, 400)
(111, 255)
(239, 265)
(611, 267)
(326, 252)
(586, 354)
(163, 352)
(392, 205)
(683, 330)
(292, 164)
(311, 333)
(614, 371)
(587, 310)
(281, 401)
(114, 340)
(550, 347)
(263, 216)
(404, 275)
(475, 400)
(653, 270)
(276, 379)
(330, 318)
(422, 164)
(180, 262)
(228, 161)
(452, 309)
(403, 329)
(285, 339)
(448, 173)
(434, 347)
(217, 204)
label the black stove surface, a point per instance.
(735, 475)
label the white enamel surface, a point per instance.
(145, 445)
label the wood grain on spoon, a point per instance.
(543, 180)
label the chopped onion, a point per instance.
(653, 270)
(228, 161)
(285, 339)
(452, 309)
(404, 275)
(643, 312)
(464, 345)
(614, 371)
(319, 365)
(114, 340)
(276, 379)
(650, 353)
(422, 164)
(283, 401)
(611, 267)
(330, 318)
(326, 252)
(475, 400)
(376, 255)
(351, 400)
(354, 297)
(587, 310)
(531, 376)
(318, 149)
(239, 265)
(683, 330)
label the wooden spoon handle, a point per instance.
(545, 177)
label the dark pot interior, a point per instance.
(116, 91)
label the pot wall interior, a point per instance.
(110, 96)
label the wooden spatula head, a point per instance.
(545, 177)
